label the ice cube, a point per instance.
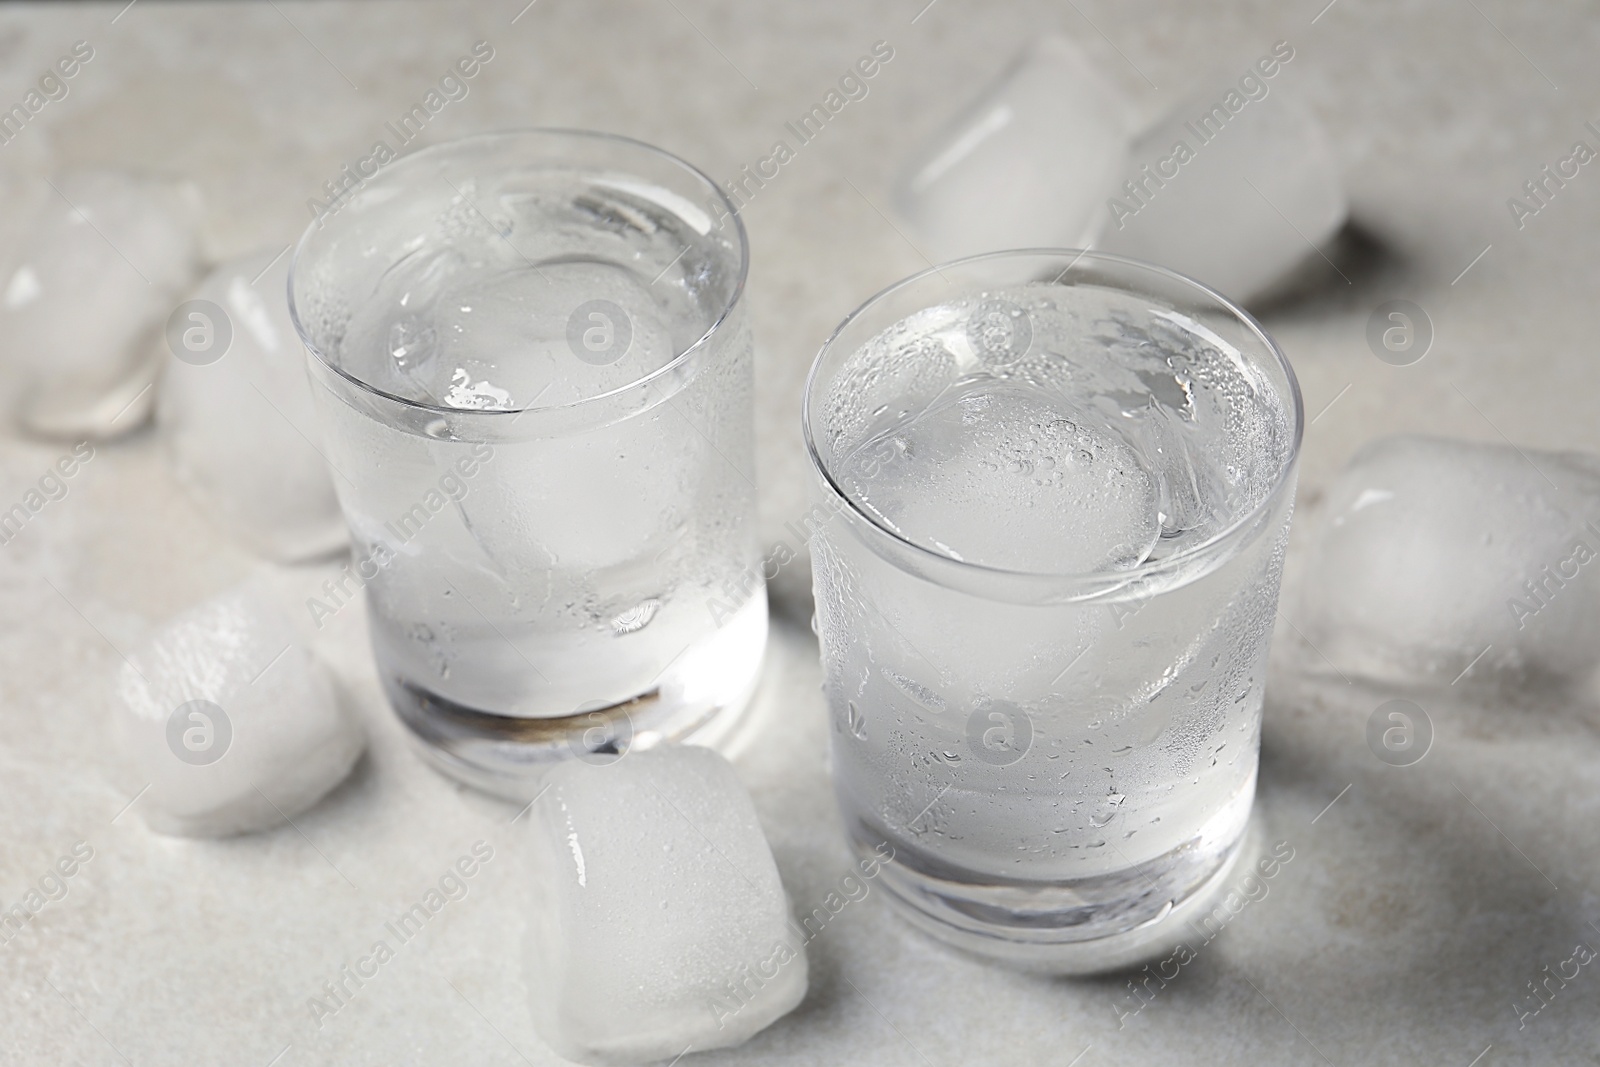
(585, 501)
(1008, 479)
(659, 924)
(1437, 556)
(511, 336)
(238, 417)
(547, 334)
(229, 719)
(1027, 164)
(93, 283)
(1235, 199)
(588, 502)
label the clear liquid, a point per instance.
(1110, 744)
(540, 573)
(549, 290)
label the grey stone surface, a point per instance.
(1418, 906)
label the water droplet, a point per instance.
(915, 690)
(635, 618)
(854, 722)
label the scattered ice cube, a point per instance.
(659, 922)
(93, 283)
(1234, 199)
(1027, 164)
(229, 719)
(241, 429)
(1444, 562)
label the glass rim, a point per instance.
(1087, 579)
(576, 134)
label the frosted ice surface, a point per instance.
(241, 430)
(659, 922)
(1027, 164)
(1233, 199)
(90, 289)
(227, 716)
(1436, 555)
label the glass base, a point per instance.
(508, 755)
(1084, 927)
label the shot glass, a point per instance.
(1053, 494)
(533, 375)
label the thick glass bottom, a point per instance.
(1079, 927)
(508, 755)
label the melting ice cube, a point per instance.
(1234, 198)
(230, 720)
(659, 923)
(93, 285)
(240, 427)
(1437, 556)
(1027, 165)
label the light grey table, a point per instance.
(1419, 902)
